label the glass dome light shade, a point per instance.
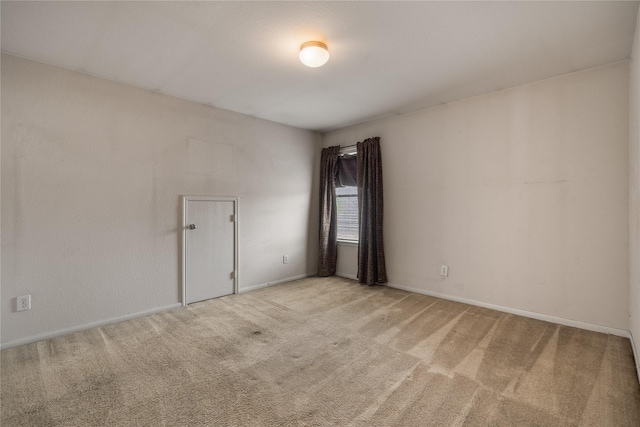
(314, 54)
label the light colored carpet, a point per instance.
(322, 352)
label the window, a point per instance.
(347, 207)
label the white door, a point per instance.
(209, 259)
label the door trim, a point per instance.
(185, 200)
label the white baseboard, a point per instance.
(524, 313)
(60, 332)
(276, 282)
(347, 276)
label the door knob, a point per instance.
(192, 226)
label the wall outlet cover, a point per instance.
(444, 270)
(23, 303)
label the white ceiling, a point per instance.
(386, 57)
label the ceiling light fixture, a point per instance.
(314, 54)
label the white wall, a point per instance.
(634, 194)
(92, 174)
(347, 260)
(522, 192)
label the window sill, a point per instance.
(347, 243)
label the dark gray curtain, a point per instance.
(328, 252)
(371, 263)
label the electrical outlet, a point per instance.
(285, 259)
(444, 270)
(23, 303)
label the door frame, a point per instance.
(185, 200)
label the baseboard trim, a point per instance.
(276, 282)
(524, 313)
(347, 276)
(60, 332)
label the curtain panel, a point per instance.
(328, 251)
(371, 261)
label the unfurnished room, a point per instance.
(317, 213)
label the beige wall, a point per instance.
(522, 192)
(634, 193)
(92, 174)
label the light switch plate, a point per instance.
(444, 270)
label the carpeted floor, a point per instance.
(321, 352)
